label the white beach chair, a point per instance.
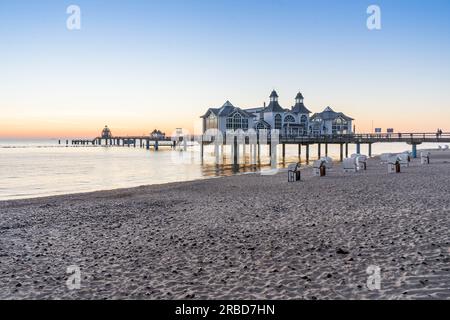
(319, 168)
(361, 161)
(294, 172)
(350, 165)
(425, 157)
(328, 162)
(394, 164)
(405, 158)
(384, 158)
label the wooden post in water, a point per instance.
(235, 151)
(273, 154)
(307, 153)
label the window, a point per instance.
(339, 126)
(229, 123)
(236, 121)
(260, 126)
(278, 122)
(211, 122)
(303, 119)
(289, 118)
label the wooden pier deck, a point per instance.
(344, 140)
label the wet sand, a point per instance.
(240, 237)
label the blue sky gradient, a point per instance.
(137, 65)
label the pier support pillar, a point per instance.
(259, 153)
(326, 149)
(284, 151)
(299, 150)
(147, 142)
(235, 151)
(273, 154)
(307, 153)
(157, 146)
(342, 152)
(319, 150)
(414, 151)
(358, 148)
(370, 150)
(346, 150)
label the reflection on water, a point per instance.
(42, 168)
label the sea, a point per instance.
(39, 168)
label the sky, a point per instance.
(139, 65)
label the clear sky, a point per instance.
(139, 65)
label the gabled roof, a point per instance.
(215, 111)
(300, 108)
(299, 96)
(330, 114)
(226, 110)
(265, 123)
(274, 106)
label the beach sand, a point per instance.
(239, 237)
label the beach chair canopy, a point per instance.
(394, 159)
(318, 163)
(349, 163)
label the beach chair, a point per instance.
(319, 168)
(405, 158)
(328, 162)
(350, 165)
(361, 161)
(440, 148)
(394, 164)
(294, 172)
(384, 158)
(425, 157)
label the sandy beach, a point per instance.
(239, 237)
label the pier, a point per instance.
(146, 142)
(344, 140)
(255, 143)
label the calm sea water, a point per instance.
(36, 168)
